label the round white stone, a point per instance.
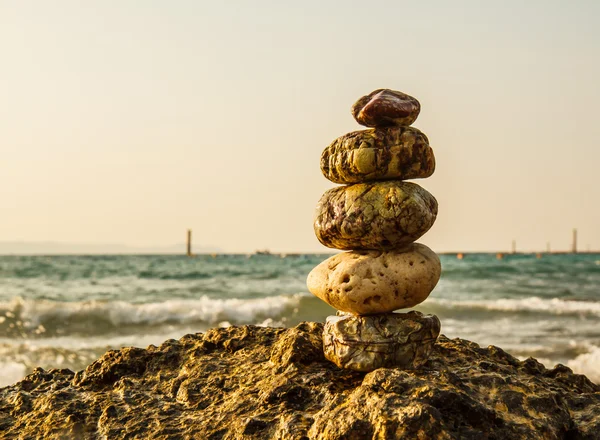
(368, 282)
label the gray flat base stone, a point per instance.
(365, 343)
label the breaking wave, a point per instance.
(45, 318)
(553, 306)
(588, 364)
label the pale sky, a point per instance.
(130, 121)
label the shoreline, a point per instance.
(64, 312)
(284, 254)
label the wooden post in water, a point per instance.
(574, 248)
(189, 243)
(514, 246)
(548, 248)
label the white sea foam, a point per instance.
(31, 314)
(588, 364)
(554, 306)
(11, 372)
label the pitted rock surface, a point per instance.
(384, 107)
(367, 282)
(365, 343)
(380, 216)
(384, 153)
(274, 383)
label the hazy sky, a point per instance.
(129, 121)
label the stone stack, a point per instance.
(377, 217)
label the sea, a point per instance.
(66, 311)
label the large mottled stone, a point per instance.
(365, 343)
(261, 383)
(380, 216)
(383, 153)
(367, 282)
(384, 107)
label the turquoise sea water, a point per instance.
(65, 311)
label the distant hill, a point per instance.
(52, 248)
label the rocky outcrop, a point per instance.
(274, 383)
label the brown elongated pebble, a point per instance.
(384, 107)
(365, 343)
(381, 215)
(368, 282)
(378, 154)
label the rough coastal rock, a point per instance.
(384, 153)
(274, 383)
(365, 343)
(367, 282)
(380, 216)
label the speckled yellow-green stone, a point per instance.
(380, 215)
(378, 154)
